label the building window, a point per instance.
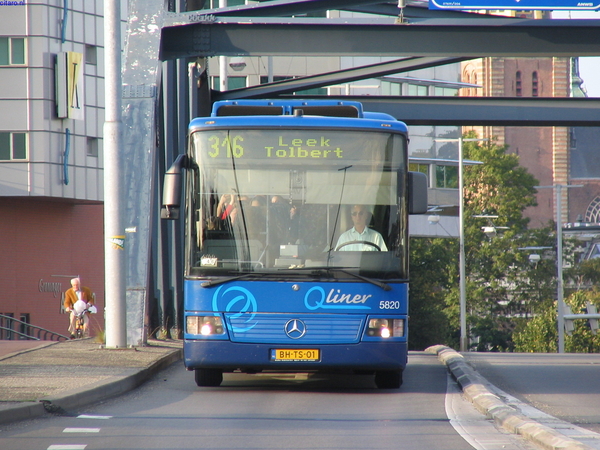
(446, 177)
(417, 90)
(91, 55)
(24, 325)
(388, 88)
(534, 84)
(92, 147)
(445, 92)
(519, 84)
(417, 167)
(232, 82)
(6, 326)
(13, 146)
(316, 91)
(12, 51)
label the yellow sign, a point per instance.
(118, 242)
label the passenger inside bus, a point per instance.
(360, 237)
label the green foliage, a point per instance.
(540, 333)
(431, 260)
(511, 302)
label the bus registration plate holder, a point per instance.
(296, 354)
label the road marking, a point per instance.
(85, 416)
(81, 430)
(68, 447)
(474, 427)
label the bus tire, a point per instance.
(388, 379)
(208, 377)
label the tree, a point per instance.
(431, 267)
(498, 187)
(540, 334)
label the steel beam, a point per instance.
(461, 111)
(238, 36)
(273, 8)
(331, 78)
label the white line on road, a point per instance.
(68, 447)
(86, 416)
(81, 430)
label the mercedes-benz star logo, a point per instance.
(295, 328)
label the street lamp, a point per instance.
(461, 219)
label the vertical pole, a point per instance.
(222, 60)
(114, 230)
(462, 276)
(270, 69)
(559, 265)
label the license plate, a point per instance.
(295, 354)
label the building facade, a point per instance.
(554, 155)
(51, 176)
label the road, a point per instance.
(271, 411)
(565, 386)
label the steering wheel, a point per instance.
(358, 242)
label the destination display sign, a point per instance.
(522, 5)
(293, 146)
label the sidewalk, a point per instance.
(38, 377)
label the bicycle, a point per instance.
(80, 309)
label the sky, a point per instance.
(589, 67)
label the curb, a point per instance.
(85, 396)
(474, 388)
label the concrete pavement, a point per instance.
(37, 377)
(481, 394)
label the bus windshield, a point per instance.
(273, 201)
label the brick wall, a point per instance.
(44, 243)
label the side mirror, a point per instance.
(172, 189)
(417, 193)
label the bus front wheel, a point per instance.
(388, 379)
(208, 377)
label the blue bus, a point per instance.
(296, 239)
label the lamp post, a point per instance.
(461, 260)
(559, 262)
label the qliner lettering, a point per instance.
(304, 148)
(334, 297)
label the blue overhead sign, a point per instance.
(522, 5)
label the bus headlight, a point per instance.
(204, 325)
(386, 328)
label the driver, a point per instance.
(359, 233)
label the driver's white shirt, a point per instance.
(368, 234)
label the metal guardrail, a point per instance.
(33, 332)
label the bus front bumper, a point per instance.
(229, 356)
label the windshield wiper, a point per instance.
(219, 281)
(344, 270)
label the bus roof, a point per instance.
(295, 114)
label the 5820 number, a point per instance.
(389, 304)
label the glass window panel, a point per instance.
(19, 146)
(446, 177)
(17, 55)
(3, 51)
(5, 146)
(452, 177)
(258, 192)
